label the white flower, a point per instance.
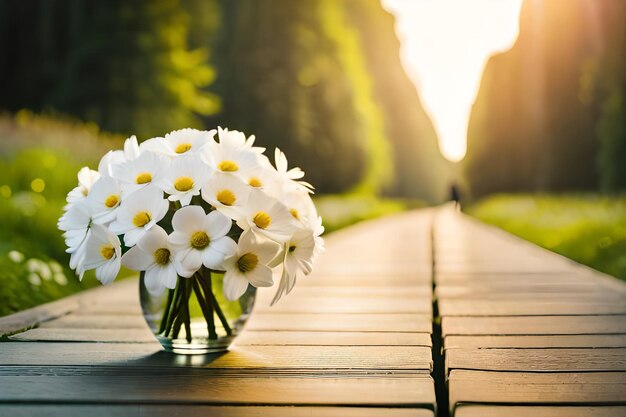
(138, 213)
(233, 154)
(75, 222)
(268, 217)
(154, 255)
(103, 253)
(290, 176)
(299, 253)
(108, 161)
(249, 265)
(181, 142)
(185, 178)
(227, 193)
(86, 178)
(16, 256)
(104, 200)
(237, 140)
(200, 239)
(131, 148)
(138, 173)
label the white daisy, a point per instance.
(108, 161)
(103, 253)
(138, 173)
(232, 154)
(237, 140)
(268, 217)
(75, 222)
(132, 149)
(154, 255)
(181, 142)
(184, 179)
(289, 176)
(86, 178)
(299, 253)
(104, 200)
(200, 239)
(249, 265)
(138, 213)
(227, 193)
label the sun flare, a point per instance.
(445, 45)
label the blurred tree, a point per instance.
(125, 66)
(420, 171)
(280, 77)
(534, 123)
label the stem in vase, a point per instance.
(166, 314)
(208, 285)
(187, 317)
(206, 307)
(175, 307)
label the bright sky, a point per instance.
(445, 46)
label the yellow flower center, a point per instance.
(247, 262)
(183, 147)
(107, 252)
(162, 256)
(226, 197)
(255, 182)
(294, 213)
(228, 166)
(141, 219)
(292, 248)
(199, 240)
(262, 220)
(143, 178)
(111, 201)
(183, 183)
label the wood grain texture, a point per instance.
(539, 325)
(197, 389)
(537, 360)
(552, 341)
(145, 410)
(472, 410)
(531, 307)
(238, 357)
(250, 338)
(590, 388)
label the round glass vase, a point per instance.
(195, 317)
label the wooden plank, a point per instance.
(400, 303)
(473, 410)
(119, 388)
(587, 389)
(98, 321)
(552, 341)
(537, 360)
(539, 325)
(496, 289)
(297, 358)
(530, 307)
(146, 410)
(341, 322)
(278, 338)
(365, 279)
(251, 338)
(491, 278)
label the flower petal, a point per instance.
(137, 260)
(235, 285)
(188, 219)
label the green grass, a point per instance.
(39, 159)
(590, 229)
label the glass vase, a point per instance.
(195, 317)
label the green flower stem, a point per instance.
(175, 310)
(207, 284)
(168, 306)
(187, 318)
(206, 307)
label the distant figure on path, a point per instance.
(455, 195)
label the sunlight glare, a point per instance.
(445, 45)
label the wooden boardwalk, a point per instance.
(526, 332)
(523, 332)
(354, 339)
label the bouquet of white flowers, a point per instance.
(185, 208)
